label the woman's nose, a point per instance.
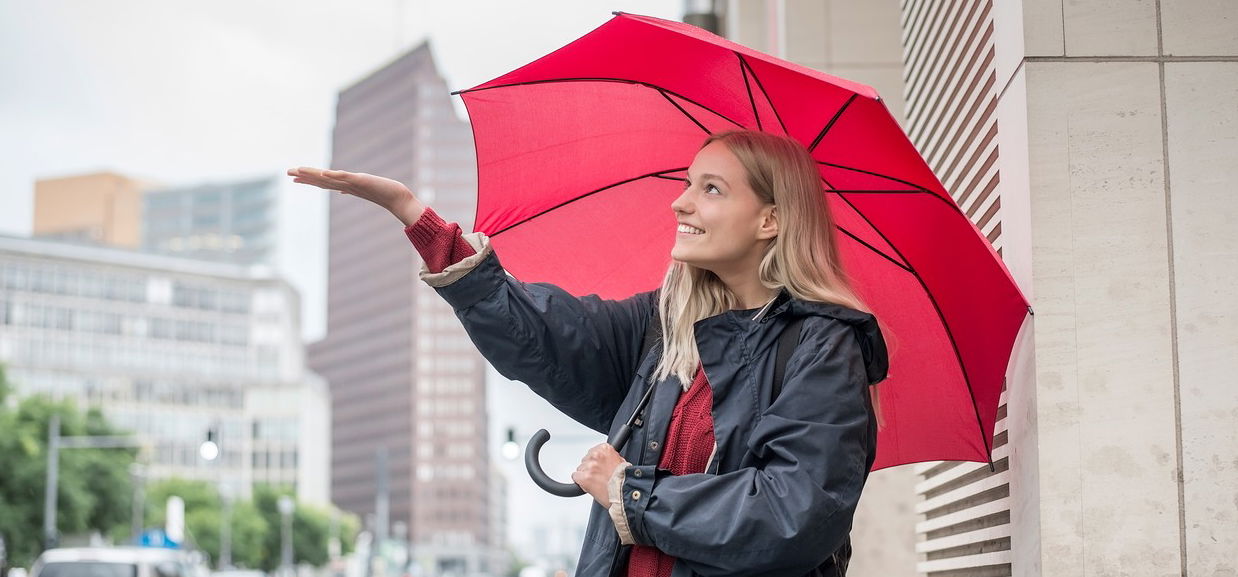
(682, 204)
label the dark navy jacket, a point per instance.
(780, 492)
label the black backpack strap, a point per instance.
(653, 330)
(787, 341)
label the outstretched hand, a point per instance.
(387, 193)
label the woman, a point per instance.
(726, 476)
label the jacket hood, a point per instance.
(865, 326)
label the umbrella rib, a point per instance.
(887, 177)
(942, 317)
(830, 124)
(918, 188)
(879, 192)
(748, 86)
(763, 92)
(585, 195)
(684, 112)
(875, 249)
(600, 79)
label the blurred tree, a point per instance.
(311, 528)
(255, 524)
(203, 514)
(94, 491)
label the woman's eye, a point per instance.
(711, 189)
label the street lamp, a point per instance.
(56, 444)
(510, 449)
(209, 449)
(286, 507)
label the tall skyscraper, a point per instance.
(102, 208)
(403, 375)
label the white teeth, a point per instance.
(690, 229)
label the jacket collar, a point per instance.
(786, 307)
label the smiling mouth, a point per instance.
(686, 229)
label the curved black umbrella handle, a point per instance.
(531, 453)
(534, 449)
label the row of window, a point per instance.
(453, 428)
(210, 299)
(276, 430)
(275, 459)
(188, 456)
(453, 342)
(96, 284)
(67, 319)
(445, 472)
(214, 363)
(444, 407)
(449, 450)
(98, 390)
(446, 364)
(447, 385)
(18, 276)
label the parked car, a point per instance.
(114, 562)
(238, 573)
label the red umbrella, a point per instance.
(581, 152)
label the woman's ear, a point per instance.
(769, 223)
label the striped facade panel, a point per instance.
(951, 93)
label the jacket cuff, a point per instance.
(456, 271)
(631, 490)
(615, 490)
(470, 281)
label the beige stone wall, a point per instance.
(102, 207)
(1129, 440)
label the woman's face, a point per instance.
(724, 226)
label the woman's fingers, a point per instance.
(328, 179)
(385, 192)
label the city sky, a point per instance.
(182, 93)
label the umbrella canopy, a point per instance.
(581, 152)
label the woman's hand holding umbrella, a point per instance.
(387, 193)
(595, 470)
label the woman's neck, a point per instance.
(748, 290)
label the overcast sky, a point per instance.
(181, 93)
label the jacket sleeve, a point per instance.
(580, 354)
(788, 513)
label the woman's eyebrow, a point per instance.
(707, 176)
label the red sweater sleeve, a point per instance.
(440, 243)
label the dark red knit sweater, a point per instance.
(690, 436)
(689, 445)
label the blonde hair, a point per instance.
(803, 258)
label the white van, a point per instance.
(113, 562)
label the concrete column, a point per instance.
(1129, 457)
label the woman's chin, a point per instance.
(682, 256)
(689, 259)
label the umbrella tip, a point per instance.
(1030, 311)
(617, 13)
